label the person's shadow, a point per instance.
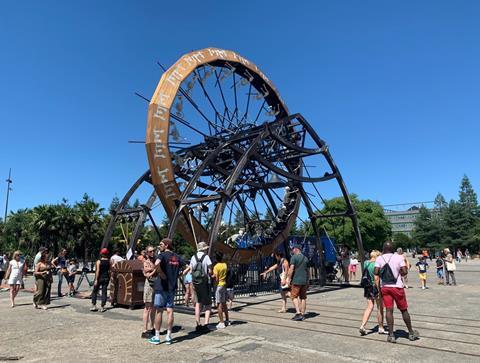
(193, 334)
(400, 333)
(311, 315)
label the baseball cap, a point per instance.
(104, 251)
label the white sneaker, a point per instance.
(220, 326)
(168, 339)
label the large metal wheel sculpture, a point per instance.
(220, 140)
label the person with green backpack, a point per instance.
(201, 269)
(371, 293)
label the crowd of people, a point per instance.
(45, 267)
(163, 271)
(384, 279)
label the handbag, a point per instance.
(451, 266)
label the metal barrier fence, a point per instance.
(248, 281)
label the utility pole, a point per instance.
(9, 181)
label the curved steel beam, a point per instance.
(189, 188)
(141, 220)
(111, 225)
(286, 174)
(318, 240)
(351, 209)
(228, 191)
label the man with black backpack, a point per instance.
(201, 268)
(389, 269)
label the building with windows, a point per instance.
(402, 216)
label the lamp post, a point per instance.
(9, 181)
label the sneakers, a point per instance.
(220, 326)
(102, 309)
(154, 340)
(298, 317)
(228, 323)
(362, 331)
(414, 335)
(94, 308)
(168, 340)
(391, 339)
(146, 335)
(382, 331)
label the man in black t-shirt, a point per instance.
(168, 266)
(422, 266)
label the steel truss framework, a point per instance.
(221, 143)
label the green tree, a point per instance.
(239, 219)
(426, 232)
(440, 204)
(467, 197)
(16, 234)
(90, 227)
(114, 205)
(374, 226)
(46, 226)
(402, 240)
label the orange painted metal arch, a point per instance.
(159, 158)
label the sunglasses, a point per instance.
(150, 251)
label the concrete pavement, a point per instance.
(447, 317)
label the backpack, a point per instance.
(366, 281)
(231, 279)
(386, 274)
(199, 277)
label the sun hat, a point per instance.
(202, 246)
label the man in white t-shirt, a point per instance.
(115, 258)
(389, 269)
(201, 284)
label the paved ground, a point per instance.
(448, 319)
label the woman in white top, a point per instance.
(281, 266)
(15, 273)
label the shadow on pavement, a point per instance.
(311, 315)
(58, 306)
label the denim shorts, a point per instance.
(440, 273)
(164, 299)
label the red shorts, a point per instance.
(391, 294)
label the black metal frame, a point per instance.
(139, 214)
(233, 145)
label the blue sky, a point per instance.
(393, 87)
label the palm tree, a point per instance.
(89, 223)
